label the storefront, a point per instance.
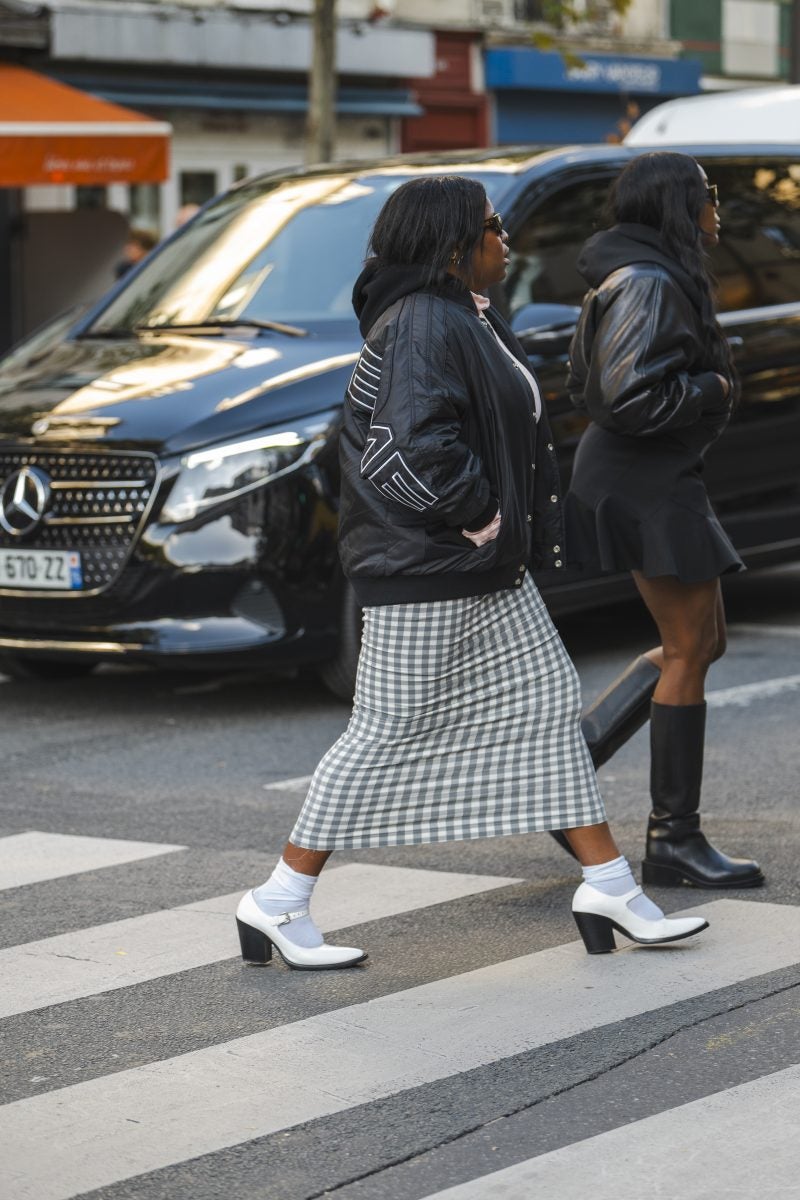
(57, 139)
(540, 98)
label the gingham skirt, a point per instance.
(466, 724)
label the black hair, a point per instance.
(433, 221)
(667, 192)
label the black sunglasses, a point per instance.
(495, 223)
(712, 191)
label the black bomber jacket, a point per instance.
(438, 434)
(638, 363)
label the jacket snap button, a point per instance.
(558, 562)
(554, 499)
(556, 549)
(549, 445)
(517, 582)
(530, 518)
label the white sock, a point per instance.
(288, 890)
(615, 878)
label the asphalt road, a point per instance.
(201, 769)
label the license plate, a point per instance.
(39, 569)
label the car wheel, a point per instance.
(19, 667)
(339, 673)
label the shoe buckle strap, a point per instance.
(285, 918)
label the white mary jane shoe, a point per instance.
(598, 915)
(258, 933)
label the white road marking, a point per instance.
(298, 784)
(121, 953)
(766, 630)
(745, 1136)
(112, 1128)
(744, 695)
(33, 857)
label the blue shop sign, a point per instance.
(524, 69)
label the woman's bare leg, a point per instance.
(592, 844)
(306, 862)
(691, 620)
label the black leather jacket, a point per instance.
(637, 360)
(438, 433)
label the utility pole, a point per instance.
(322, 84)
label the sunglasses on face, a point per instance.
(495, 223)
(712, 192)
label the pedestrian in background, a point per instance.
(651, 367)
(466, 720)
(137, 246)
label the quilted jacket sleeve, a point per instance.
(414, 452)
(630, 359)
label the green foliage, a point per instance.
(559, 13)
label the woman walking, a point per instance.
(467, 708)
(651, 367)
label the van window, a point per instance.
(544, 250)
(757, 262)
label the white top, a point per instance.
(482, 303)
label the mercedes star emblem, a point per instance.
(23, 500)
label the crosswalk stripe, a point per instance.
(112, 1128)
(33, 857)
(735, 1132)
(121, 953)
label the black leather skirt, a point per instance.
(638, 503)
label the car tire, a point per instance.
(18, 667)
(339, 673)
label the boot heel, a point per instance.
(597, 932)
(256, 946)
(658, 875)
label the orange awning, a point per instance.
(51, 133)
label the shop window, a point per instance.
(196, 187)
(240, 172)
(144, 204)
(544, 250)
(91, 197)
(757, 262)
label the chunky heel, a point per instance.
(256, 946)
(659, 875)
(597, 932)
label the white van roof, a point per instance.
(752, 115)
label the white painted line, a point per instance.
(122, 953)
(34, 857)
(96, 1133)
(298, 784)
(744, 695)
(738, 1144)
(766, 630)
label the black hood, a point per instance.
(624, 245)
(378, 287)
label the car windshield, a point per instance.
(286, 250)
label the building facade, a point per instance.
(739, 43)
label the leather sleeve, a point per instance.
(414, 453)
(635, 380)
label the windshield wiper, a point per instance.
(232, 323)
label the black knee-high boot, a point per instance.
(677, 850)
(615, 717)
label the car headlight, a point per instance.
(220, 473)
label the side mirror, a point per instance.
(545, 329)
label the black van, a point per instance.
(168, 464)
